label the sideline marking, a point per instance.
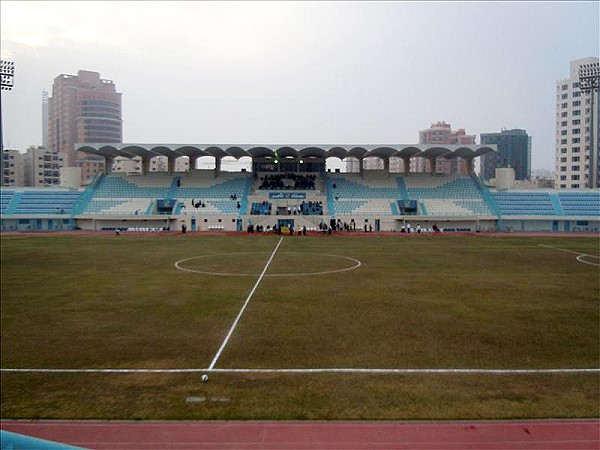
(356, 265)
(579, 256)
(324, 370)
(237, 319)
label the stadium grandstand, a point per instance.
(290, 185)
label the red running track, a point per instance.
(189, 435)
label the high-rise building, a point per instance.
(12, 168)
(514, 150)
(44, 119)
(41, 167)
(441, 133)
(576, 154)
(83, 108)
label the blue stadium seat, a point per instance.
(46, 202)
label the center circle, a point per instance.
(288, 264)
(585, 259)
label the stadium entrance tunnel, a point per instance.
(251, 264)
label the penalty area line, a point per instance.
(422, 371)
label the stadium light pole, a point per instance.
(589, 81)
(7, 72)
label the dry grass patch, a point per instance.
(427, 302)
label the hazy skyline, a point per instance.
(292, 72)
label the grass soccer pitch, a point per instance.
(518, 316)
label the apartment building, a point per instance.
(576, 142)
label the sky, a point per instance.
(302, 72)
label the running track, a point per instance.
(188, 435)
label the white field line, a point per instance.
(579, 256)
(356, 265)
(580, 259)
(237, 319)
(422, 371)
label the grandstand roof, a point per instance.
(295, 150)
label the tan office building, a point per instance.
(83, 109)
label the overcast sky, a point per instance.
(302, 72)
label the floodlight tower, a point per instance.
(589, 82)
(7, 72)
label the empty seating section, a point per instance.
(445, 207)
(5, 199)
(369, 207)
(580, 203)
(129, 206)
(380, 207)
(47, 202)
(446, 195)
(261, 208)
(153, 180)
(220, 195)
(121, 194)
(134, 194)
(478, 207)
(201, 184)
(120, 186)
(525, 203)
(222, 206)
(421, 186)
(201, 207)
(370, 194)
(348, 207)
(345, 186)
(218, 190)
(364, 207)
(426, 180)
(102, 205)
(439, 195)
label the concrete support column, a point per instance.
(406, 165)
(360, 166)
(431, 165)
(386, 165)
(171, 164)
(217, 165)
(146, 165)
(194, 162)
(108, 163)
(470, 166)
